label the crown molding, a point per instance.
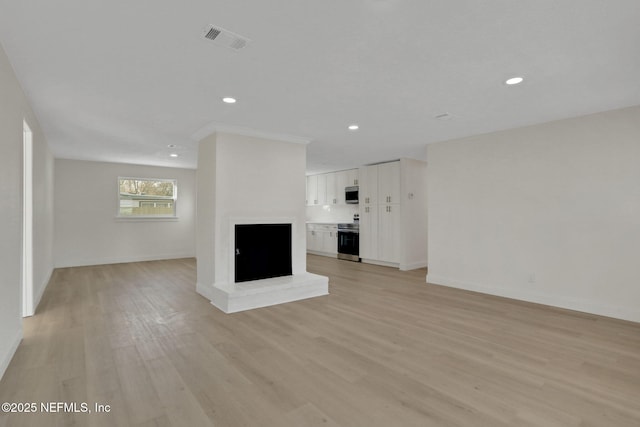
(214, 127)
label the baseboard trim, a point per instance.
(382, 263)
(320, 253)
(205, 290)
(43, 287)
(413, 265)
(574, 304)
(232, 298)
(123, 260)
(6, 359)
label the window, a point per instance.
(147, 198)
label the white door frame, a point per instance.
(27, 222)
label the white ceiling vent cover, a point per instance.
(443, 116)
(225, 38)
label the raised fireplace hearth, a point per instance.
(261, 266)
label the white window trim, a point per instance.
(136, 218)
(146, 218)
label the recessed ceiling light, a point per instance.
(353, 127)
(171, 146)
(514, 80)
(229, 100)
(173, 155)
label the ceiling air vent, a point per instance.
(225, 38)
(443, 116)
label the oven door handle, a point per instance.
(349, 231)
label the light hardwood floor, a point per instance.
(383, 349)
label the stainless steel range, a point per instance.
(349, 241)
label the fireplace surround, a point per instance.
(251, 180)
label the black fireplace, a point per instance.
(262, 251)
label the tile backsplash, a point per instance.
(331, 213)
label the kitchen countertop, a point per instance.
(324, 223)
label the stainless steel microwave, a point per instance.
(351, 194)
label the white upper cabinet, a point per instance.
(368, 192)
(389, 182)
(317, 190)
(328, 188)
(322, 189)
(352, 177)
(312, 190)
(332, 189)
(341, 184)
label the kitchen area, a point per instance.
(374, 214)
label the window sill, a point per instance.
(146, 218)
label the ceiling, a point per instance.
(119, 81)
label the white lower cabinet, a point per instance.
(380, 233)
(314, 240)
(368, 232)
(322, 239)
(330, 241)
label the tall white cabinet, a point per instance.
(393, 214)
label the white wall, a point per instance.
(14, 108)
(206, 214)
(87, 231)
(43, 215)
(547, 213)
